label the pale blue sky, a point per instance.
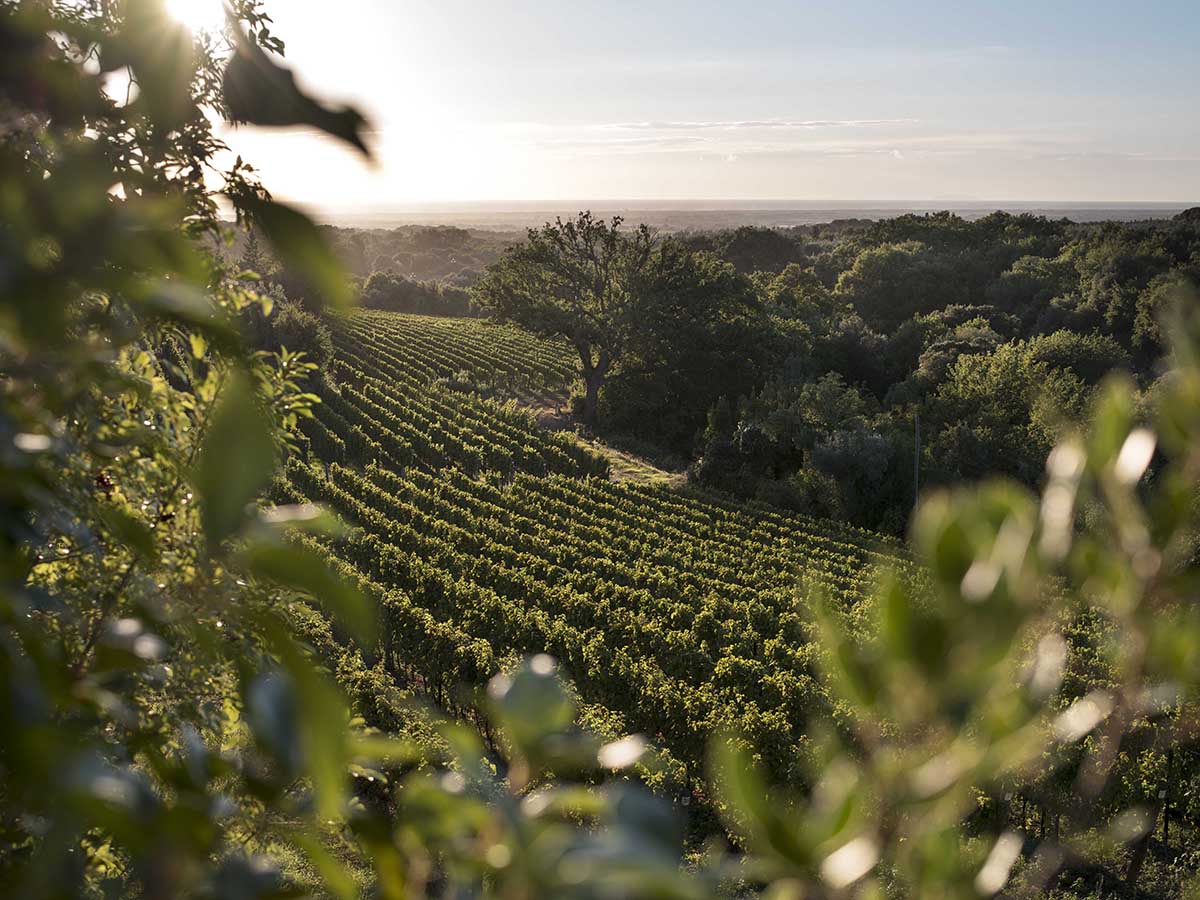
(1058, 100)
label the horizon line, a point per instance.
(727, 203)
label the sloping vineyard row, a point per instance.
(619, 657)
(482, 537)
(381, 412)
(491, 354)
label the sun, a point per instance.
(198, 15)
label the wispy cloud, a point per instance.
(753, 124)
(726, 138)
(616, 142)
(899, 140)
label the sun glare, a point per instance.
(198, 15)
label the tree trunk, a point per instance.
(594, 371)
(591, 398)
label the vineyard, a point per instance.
(409, 394)
(483, 538)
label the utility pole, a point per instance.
(917, 460)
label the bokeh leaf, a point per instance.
(235, 461)
(299, 245)
(260, 91)
(303, 569)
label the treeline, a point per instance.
(992, 334)
(413, 282)
(396, 293)
(444, 254)
(794, 366)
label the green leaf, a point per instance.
(188, 305)
(332, 872)
(321, 721)
(299, 244)
(129, 530)
(849, 671)
(388, 750)
(532, 703)
(571, 802)
(741, 787)
(259, 91)
(896, 620)
(648, 820)
(236, 460)
(308, 518)
(1112, 420)
(305, 570)
(272, 711)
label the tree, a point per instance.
(142, 591)
(1031, 283)
(1091, 357)
(891, 282)
(752, 248)
(254, 258)
(582, 279)
(698, 316)
(1000, 413)
(797, 293)
(296, 329)
(387, 290)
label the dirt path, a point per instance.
(552, 412)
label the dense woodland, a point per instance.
(995, 333)
(297, 600)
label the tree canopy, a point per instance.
(630, 304)
(582, 279)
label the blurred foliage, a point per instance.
(166, 732)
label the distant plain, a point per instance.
(704, 215)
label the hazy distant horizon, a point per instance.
(706, 214)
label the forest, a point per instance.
(304, 592)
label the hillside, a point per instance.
(484, 538)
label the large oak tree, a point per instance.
(634, 307)
(583, 279)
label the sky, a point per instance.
(843, 100)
